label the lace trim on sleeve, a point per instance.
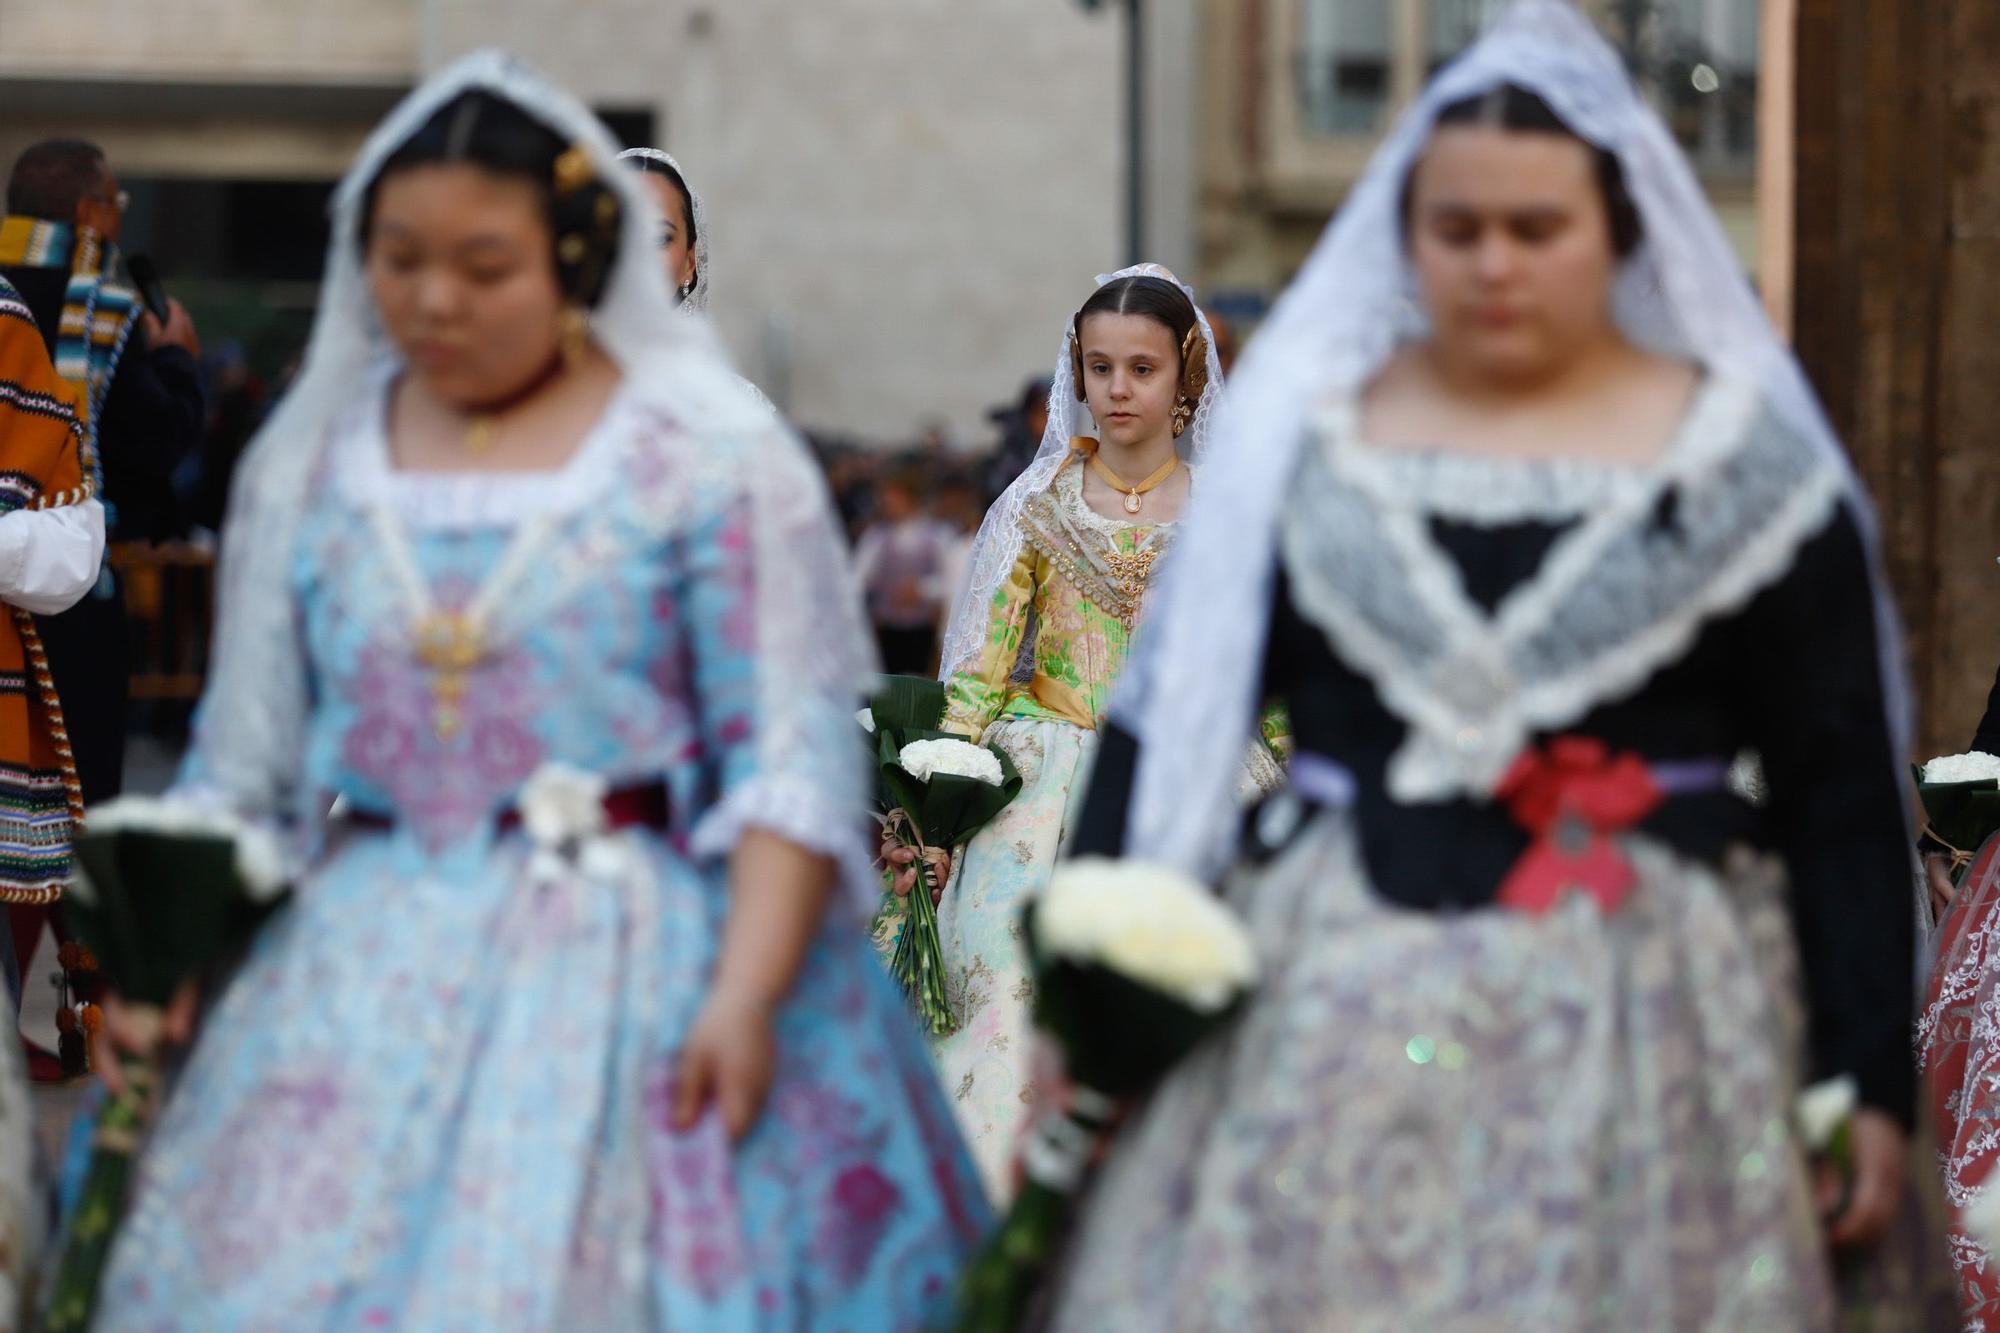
(798, 809)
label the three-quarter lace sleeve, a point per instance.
(975, 692)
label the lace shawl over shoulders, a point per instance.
(1661, 552)
(1109, 561)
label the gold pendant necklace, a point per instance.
(1132, 493)
(484, 423)
(450, 644)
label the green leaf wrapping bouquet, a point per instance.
(1961, 798)
(165, 891)
(934, 791)
(1135, 966)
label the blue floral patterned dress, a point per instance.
(436, 1097)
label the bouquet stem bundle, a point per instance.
(163, 895)
(918, 962)
(934, 791)
(1135, 966)
(1004, 1282)
(121, 1128)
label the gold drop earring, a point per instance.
(1183, 412)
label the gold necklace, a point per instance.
(484, 423)
(451, 645)
(1132, 493)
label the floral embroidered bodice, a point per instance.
(1078, 588)
(618, 642)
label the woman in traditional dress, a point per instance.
(1061, 566)
(1958, 1041)
(535, 1048)
(1533, 523)
(683, 238)
(682, 241)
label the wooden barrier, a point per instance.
(170, 599)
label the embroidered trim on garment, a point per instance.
(1057, 524)
(41, 797)
(361, 466)
(1741, 493)
(1472, 488)
(35, 820)
(97, 317)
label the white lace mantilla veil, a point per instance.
(1189, 693)
(815, 658)
(698, 298)
(998, 543)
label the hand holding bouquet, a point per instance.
(164, 891)
(935, 791)
(1961, 797)
(1135, 965)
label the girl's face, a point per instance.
(460, 263)
(676, 232)
(1131, 376)
(1512, 247)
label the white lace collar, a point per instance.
(462, 501)
(1491, 491)
(1618, 596)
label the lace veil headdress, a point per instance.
(698, 298)
(998, 543)
(814, 655)
(1189, 691)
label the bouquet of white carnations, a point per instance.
(1961, 797)
(1135, 965)
(164, 892)
(935, 792)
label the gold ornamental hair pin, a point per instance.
(573, 169)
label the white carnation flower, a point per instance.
(1155, 925)
(1823, 1108)
(866, 717)
(923, 760)
(260, 860)
(1981, 1217)
(562, 804)
(1976, 766)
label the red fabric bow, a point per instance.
(1573, 795)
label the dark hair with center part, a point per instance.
(52, 178)
(479, 129)
(652, 166)
(1154, 298)
(1515, 109)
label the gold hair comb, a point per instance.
(573, 170)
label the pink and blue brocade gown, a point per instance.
(437, 1094)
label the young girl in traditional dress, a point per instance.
(1056, 585)
(1534, 524)
(573, 1022)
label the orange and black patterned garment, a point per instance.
(42, 466)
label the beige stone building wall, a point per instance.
(906, 196)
